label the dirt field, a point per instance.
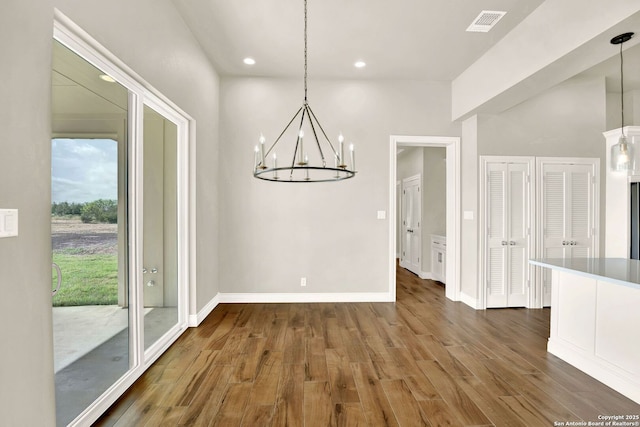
(83, 238)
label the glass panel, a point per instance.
(88, 233)
(160, 246)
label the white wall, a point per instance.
(469, 188)
(410, 163)
(151, 38)
(275, 233)
(434, 199)
(566, 120)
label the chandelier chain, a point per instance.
(305, 51)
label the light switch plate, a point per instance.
(468, 214)
(382, 214)
(8, 222)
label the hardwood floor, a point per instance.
(423, 361)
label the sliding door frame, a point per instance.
(140, 94)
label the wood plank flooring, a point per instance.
(423, 361)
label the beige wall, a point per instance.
(273, 234)
(150, 37)
(434, 199)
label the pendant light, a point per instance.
(622, 152)
(309, 160)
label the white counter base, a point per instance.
(595, 326)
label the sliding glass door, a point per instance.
(88, 233)
(160, 247)
(119, 229)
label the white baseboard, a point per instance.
(425, 275)
(196, 319)
(305, 297)
(470, 301)
(599, 369)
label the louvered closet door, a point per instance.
(507, 210)
(568, 211)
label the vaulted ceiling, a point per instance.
(416, 39)
(408, 39)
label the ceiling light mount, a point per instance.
(619, 39)
(305, 166)
(622, 158)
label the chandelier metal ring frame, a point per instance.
(301, 169)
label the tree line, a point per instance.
(101, 210)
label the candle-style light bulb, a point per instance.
(353, 157)
(301, 160)
(255, 157)
(262, 151)
(341, 158)
(275, 166)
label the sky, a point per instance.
(83, 170)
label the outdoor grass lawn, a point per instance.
(86, 279)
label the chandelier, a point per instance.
(622, 152)
(309, 162)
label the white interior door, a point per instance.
(568, 207)
(507, 200)
(411, 220)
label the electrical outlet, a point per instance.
(303, 281)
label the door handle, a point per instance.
(504, 243)
(409, 230)
(564, 243)
(512, 243)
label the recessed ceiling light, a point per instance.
(249, 61)
(107, 78)
(360, 64)
(486, 20)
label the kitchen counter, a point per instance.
(622, 271)
(595, 318)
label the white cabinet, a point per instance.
(438, 258)
(595, 318)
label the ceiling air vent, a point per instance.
(485, 21)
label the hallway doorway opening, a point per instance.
(451, 146)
